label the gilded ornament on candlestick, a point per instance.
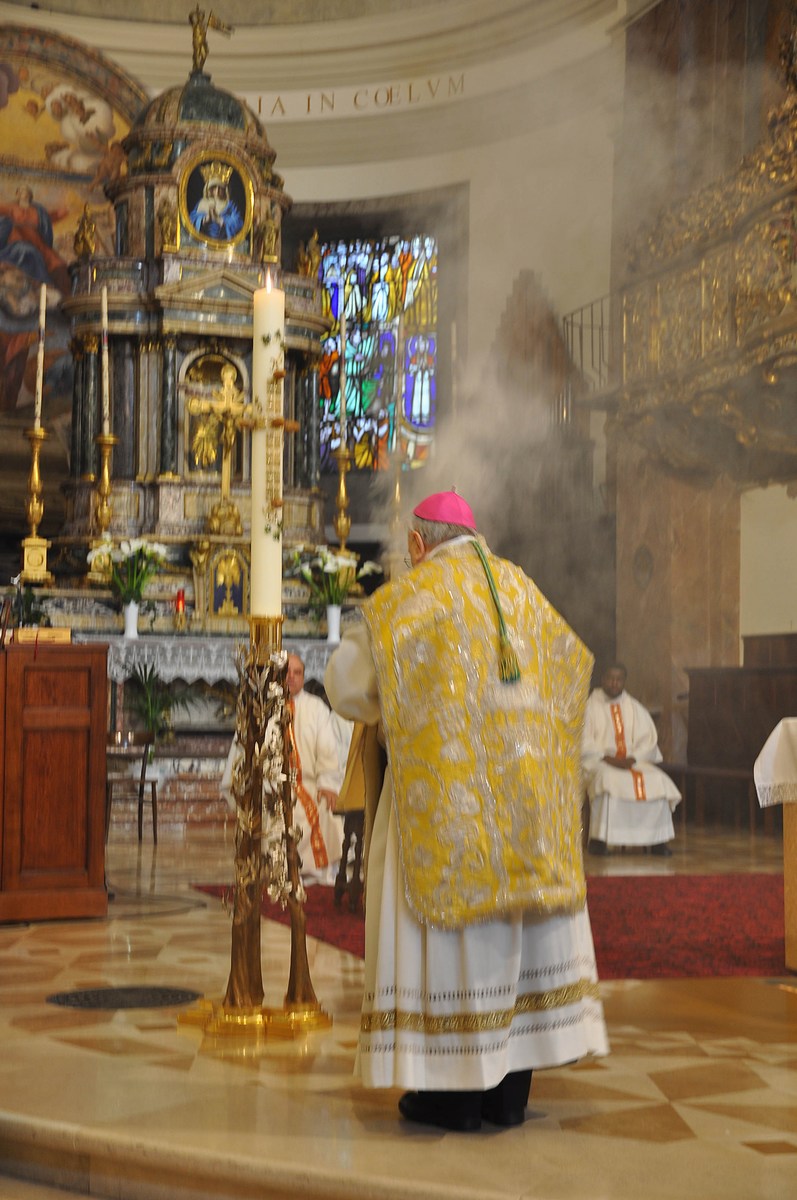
(101, 563)
(34, 548)
(342, 522)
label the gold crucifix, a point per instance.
(227, 412)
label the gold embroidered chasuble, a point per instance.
(486, 775)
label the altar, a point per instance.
(193, 659)
(188, 763)
(775, 775)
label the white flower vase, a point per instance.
(131, 619)
(333, 623)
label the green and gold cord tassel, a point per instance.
(508, 665)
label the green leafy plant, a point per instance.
(153, 700)
(26, 609)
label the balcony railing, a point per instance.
(586, 334)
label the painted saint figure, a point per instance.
(216, 215)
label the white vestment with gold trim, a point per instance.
(627, 808)
(458, 1009)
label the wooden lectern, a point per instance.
(53, 720)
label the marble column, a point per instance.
(76, 465)
(313, 413)
(123, 371)
(168, 415)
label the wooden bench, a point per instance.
(682, 773)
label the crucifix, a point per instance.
(228, 409)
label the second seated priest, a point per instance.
(631, 799)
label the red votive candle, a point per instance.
(179, 603)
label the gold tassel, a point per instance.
(508, 665)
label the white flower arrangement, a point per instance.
(330, 576)
(133, 562)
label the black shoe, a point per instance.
(505, 1117)
(597, 847)
(506, 1104)
(460, 1111)
(662, 850)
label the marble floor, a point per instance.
(698, 1097)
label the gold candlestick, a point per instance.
(342, 522)
(34, 548)
(106, 443)
(101, 563)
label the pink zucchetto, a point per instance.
(446, 507)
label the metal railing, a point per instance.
(586, 334)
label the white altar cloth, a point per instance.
(775, 769)
(190, 658)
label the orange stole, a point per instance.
(317, 843)
(622, 752)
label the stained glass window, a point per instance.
(385, 291)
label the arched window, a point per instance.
(381, 296)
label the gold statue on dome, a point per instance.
(85, 235)
(308, 258)
(200, 26)
(167, 222)
(266, 234)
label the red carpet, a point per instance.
(687, 926)
(337, 926)
(644, 927)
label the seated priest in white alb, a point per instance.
(320, 776)
(631, 801)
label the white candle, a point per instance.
(106, 388)
(267, 445)
(342, 376)
(37, 404)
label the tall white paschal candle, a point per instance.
(342, 378)
(37, 403)
(267, 444)
(106, 383)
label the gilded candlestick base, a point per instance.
(252, 1025)
(34, 561)
(100, 559)
(293, 1021)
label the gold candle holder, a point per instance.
(34, 548)
(101, 563)
(106, 443)
(265, 637)
(342, 522)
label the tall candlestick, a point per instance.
(37, 404)
(342, 378)
(267, 445)
(106, 390)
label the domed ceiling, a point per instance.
(237, 12)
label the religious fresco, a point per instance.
(64, 111)
(386, 293)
